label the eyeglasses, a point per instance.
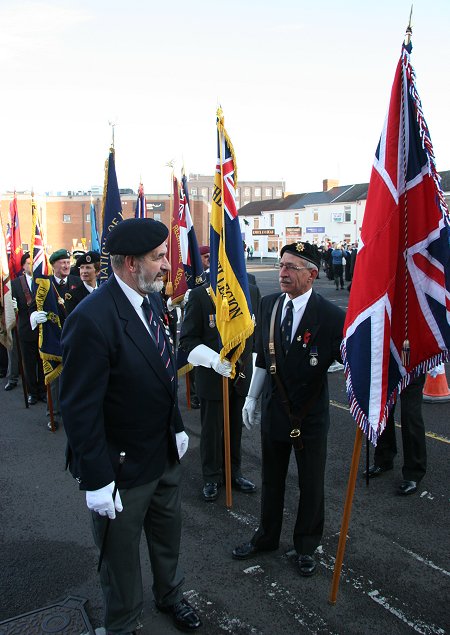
(288, 266)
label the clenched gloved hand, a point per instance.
(37, 317)
(101, 501)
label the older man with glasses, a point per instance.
(299, 336)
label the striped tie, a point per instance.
(160, 340)
(286, 327)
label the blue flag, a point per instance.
(111, 213)
(95, 243)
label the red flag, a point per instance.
(398, 318)
(179, 284)
(15, 266)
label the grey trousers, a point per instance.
(155, 508)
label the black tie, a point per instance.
(286, 327)
(155, 327)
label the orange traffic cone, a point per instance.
(436, 388)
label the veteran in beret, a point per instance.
(62, 286)
(299, 334)
(89, 268)
(119, 395)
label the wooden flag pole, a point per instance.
(226, 442)
(188, 389)
(346, 516)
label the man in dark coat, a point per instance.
(200, 338)
(23, 292)
(119, 394)
(307, 333)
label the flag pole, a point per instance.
(346, 516)
(225, 385)
(169, 284)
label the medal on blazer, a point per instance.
(313, 356)
(212, 320)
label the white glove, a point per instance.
(251, 412)
(37, 317)
(14, 303)
(182, 440)
(202, 355)
(437, 370)
(101, 501)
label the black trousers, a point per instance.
(211, 438)
(413, 434)
(32, 366)
(309, 522)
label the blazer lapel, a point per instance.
(309, 327)
(137, 332)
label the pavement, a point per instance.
(395, 577)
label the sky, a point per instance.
(304, 87)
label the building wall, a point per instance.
(65, 220)
(246, 191)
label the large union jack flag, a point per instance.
(397, 323)
(41, 265)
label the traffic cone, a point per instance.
(436, 388)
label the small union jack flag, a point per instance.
(41, 265)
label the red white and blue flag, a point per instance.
(41, 265)
(190, 253)
(16, 251)
(141, 203)
(397, 323)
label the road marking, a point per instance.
(416, 556)
(418, 626)
(431, 435)
(221, 619)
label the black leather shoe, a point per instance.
(210, 491)
(244, 551)
(407, 487)
(49, 426)
(31, 400)
(307, 565)
(184, 616)
(377, 470)
(243, 485)
(195, 404)
(10, 385)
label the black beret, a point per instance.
(136, 236)
(303, 250)
(78, 252)
(61, 254)
(24, 258)
(89, 258)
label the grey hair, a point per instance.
(310, 265)
(117, 261)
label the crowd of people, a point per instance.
(126, 439)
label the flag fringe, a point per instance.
(357, 412)
(239, 342)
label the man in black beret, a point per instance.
(119, 395)
(298, 337)
(88, 265)
(24, 294)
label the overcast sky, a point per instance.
(304, 87)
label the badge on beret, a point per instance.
(88, 258)
(300, 247)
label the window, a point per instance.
(88, 218)
(66, 218)
(157, 216)
(246, 191)
(237, 193)
(316, 216)
(257, 191)
(204, 191)
(278, 192)
(296, 219)
(256, 245)
(256, 223)
(268, 191)
(193, 191)
(347, 213)
(271, 220)
(272, 246)
(25, 247)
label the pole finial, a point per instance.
(408, 33)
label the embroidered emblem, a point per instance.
(300, 247)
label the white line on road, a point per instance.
(416, 556)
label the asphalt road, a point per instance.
(396, 573)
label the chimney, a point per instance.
(328, 184)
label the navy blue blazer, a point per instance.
(115, 394)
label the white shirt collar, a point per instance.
(88, 287)
(299, 302)
(133, 296)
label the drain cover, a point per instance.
(67, 617)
